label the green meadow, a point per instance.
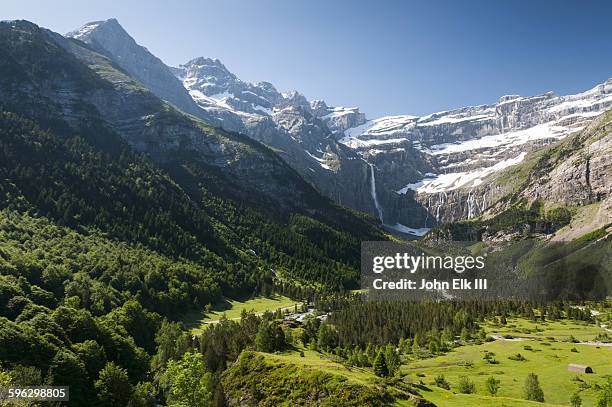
(544, 347)
(547, 359)
(231, 309)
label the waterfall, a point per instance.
(441, 201)
(470, 203)
(373, 192)
(427, 211)
(484, 202)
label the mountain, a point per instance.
(559, 193)
(128, 211)
(285, 122)
(105, 152)
(296, 128)
(419, 171)
(462, 147)
(120, 215)
(410, 172)
(110, 39)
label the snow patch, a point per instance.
(408, 230)
(454, 180)
(508, 139)
(319, 160)
(86, 29)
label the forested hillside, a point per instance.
(120, 214)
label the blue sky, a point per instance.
(387, 57)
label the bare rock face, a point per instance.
(301, 132)
(426, 170)
(410, 172)
(466, 147)
(581, 173)
(110, 39)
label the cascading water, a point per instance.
(427, 211)
(373, 192)
(441, 201)
(484, 202)
(470, 203)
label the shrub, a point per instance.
(441, 382)
(492, 385)
(466, 386)
(575, 400)
(518, 357)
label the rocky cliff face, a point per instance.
(574, 173)
(76, 85)
(464, 148)
(301, 132)
(560, 192)
(110, 39)
(286, 122)
(426, 170)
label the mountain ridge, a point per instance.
(425, 169)
(191, 165)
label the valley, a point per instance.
(177, 236)
(546, 349)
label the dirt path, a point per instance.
(524, 338)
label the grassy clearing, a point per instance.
(445, 398)
(318, 361)
(549, 362)
(547, 355)
(231, 309)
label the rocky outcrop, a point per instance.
(578, 171)
(467, 146)
(110, 39)
(301, 132)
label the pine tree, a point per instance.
(415, 345)
(264, 340)
(433, 346)
(532, 388)
(465, 334)
(380, 365)
(393, 360)
(401, 345)
(328, 338)
(576, 400)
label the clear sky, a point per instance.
(387, 57)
